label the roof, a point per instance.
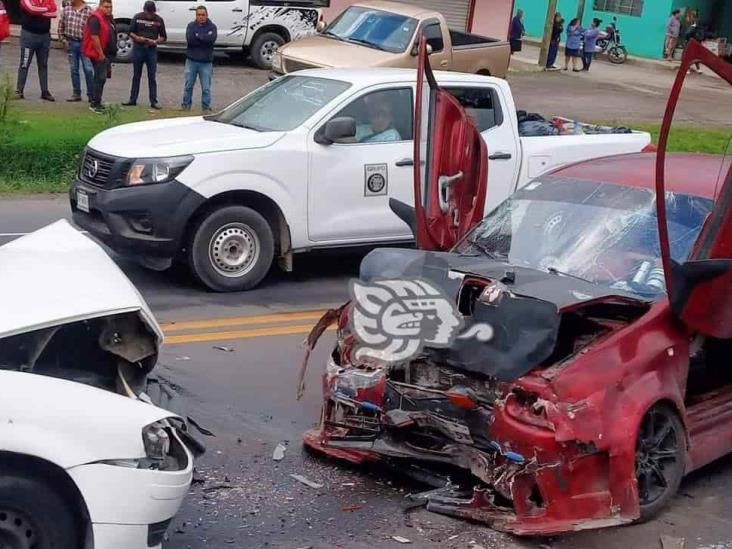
(55, 276)
(410, 10)
(376, 75)
(686, 173)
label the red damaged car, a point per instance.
(604, 377)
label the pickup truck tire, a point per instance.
(34, 516)
(232, 249)
(124, 43)
(263, 47)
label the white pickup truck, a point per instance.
(310, 160)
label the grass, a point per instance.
(40, 144)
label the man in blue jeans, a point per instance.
(147, 30)
(200, 37)
(74, 16)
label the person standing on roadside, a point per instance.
(517, 31)
(100, 45)
(200, 38)
(590, 38)
(74, 16)
(574, 45)
(147, 31)
(673, 29)
(35, 39)
(557, 30)
(4, 23)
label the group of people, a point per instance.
(89, 37)
(676, 29)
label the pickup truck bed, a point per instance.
(466, 40)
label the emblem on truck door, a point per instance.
(375, 178)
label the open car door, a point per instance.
(700, 289)
(450, 164)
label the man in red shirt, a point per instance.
(35, 39)
(100, 45)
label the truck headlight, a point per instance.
(145, 171)
(156, 441)
(277, 62)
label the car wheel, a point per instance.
(659, 459)
(263, 48)
(232, 249)
(34, 516)
(124, 43)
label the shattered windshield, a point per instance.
(603, 233)
(283, 104)
(373, 28)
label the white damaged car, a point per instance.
(86, 460)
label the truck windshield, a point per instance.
(377, 29)
(281, 105)
(604, 233)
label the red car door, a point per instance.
(450, 164)
(700, 289)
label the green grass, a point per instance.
(40, 145)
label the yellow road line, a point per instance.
(241, 334)
(242, 320)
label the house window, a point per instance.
(626, 7)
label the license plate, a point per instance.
(82, 201)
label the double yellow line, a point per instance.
(275, 324)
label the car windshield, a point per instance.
(283, 104)
(378, 29)
(604, 233)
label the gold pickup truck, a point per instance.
(386, 34)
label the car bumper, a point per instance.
(148, 220)
(131, 508)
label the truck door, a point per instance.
(700, 289)
(230, 17)
(450, 164)
(441, 56)
(176, 14)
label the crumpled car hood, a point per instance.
(56, 276)
(177, 137)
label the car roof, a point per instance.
(686, 173)
(410, 10)
(372, 76)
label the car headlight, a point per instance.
(146, 171)
(156, 441)
(277, 62)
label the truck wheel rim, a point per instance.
(268, 49)
(17, 530)
(657, 460)
(124, 44)
(234, 250)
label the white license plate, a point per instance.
(82, 201)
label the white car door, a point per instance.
(176, 14)
(350, 182)
(483, 104)
(230, 18)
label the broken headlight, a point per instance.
(156, 440)
(145, 171)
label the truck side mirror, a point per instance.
(415, 49)
(320, 27)
(341, 129)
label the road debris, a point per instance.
(279, 452)
(222, 348)
(400, 539)
(307, 481)
(667, 542)
(183, 357)
(351, 507)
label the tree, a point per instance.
(548, 26)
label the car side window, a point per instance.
(433, 34)
(381, 116)
(481, 104)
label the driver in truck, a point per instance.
(380, 126)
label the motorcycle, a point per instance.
(611, 44)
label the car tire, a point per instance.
(263, 47)
(124, 43)
(651, 443)
(232, 249)
(33, 515)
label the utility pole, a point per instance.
(548, 27)
(580, 10)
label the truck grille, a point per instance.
(102, 170)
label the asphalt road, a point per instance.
(236, 367)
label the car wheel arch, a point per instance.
(277, 29)
(264, 205)
(19, 464)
